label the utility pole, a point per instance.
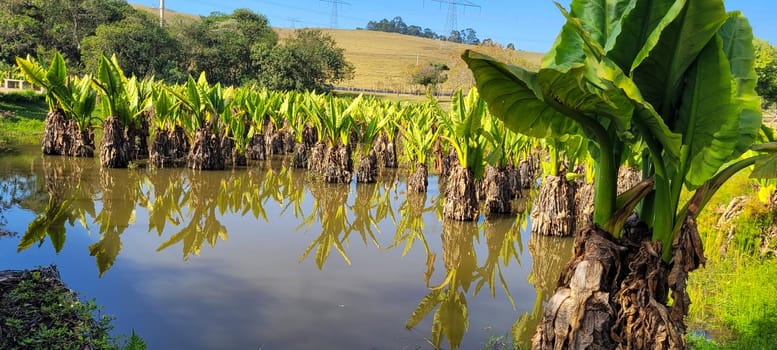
(161, 13)
(334, 17)
(450, 22)
(293, 21)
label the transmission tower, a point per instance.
(453, 7)
(335, 5)
(293, 21)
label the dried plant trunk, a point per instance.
(82, 141)
(418, 181)
(115, 150)
(316, 159)
(367, 170)
(498, 195)
(300, 157)
(256, 148)
(614, 294)
(628, 177)
(390, 156)
(460, 200)
(553, 213)
(179, 143)
(527, 173)
(584, 203)
(162, 152)
(206, 151)
(337, 164)
(55, 132)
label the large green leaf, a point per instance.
(601, 18)
(672, 47)
(33, 72)
(513, 96)
(707, 117)
(737, 38)
(639, 20)
(57, 73)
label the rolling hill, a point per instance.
(384, 61)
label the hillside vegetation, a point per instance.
(384, 61)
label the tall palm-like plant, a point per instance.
(124, 102)
(677, 75)
(496, 183)
(71, 102)
(170, 142)
(419, 136)
(463, 130)
(334, 118)
(371, 125)
(257, 105)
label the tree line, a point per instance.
(397, 25)
(234, 49)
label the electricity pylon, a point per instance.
(450, 22)
(335, 5)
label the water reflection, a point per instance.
(186, 209)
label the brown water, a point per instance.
(268, 258)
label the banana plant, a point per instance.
(419, 136)
(624, 72)
(463, 130)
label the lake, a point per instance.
(269, 258)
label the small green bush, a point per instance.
(23, 97)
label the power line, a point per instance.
(293, 21)
(450, 22)
(334, 17)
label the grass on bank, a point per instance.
(733, 297)
(22, 116)
(37, 311)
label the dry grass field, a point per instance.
(385, 61)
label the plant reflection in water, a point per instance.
(190, 204)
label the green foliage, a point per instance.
(766, 69)
(39, 312)
(121, 97)
(464, 128)
(143, 48)
(619, 74)
(420, 133)
(309, 60)
(430, 75)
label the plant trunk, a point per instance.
(289, 142)
(256, 150)
(227, 145)
(514, 179)
(55, 133)
(162, 153)
(316, 159)
(527, 173)
(496, 185)
(206, 151)
(367, 171)
(81, 141)
(179, 143)
(628, 177)
(584, 203)
(300, 157)
(338, 165)
(615, 293)
(460, 200)
(418, 181)
(553, 213)
(115, 151)
(309, 136)
(137, 137)
(390, 156)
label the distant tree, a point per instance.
(428, 33)
(309, 60)
(455, 36)
(399, 25)
(222, 45)
(469, 36)
(430, 75)
(511, 46)
(142, 47)
(414, 30)
(766, 70)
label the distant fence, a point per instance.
(388, 91)
(10, 85)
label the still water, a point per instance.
(267, 258)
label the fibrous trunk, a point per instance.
(553, 213)
(115, 151)
(527, 173)
(82, 141)
(615, 293)
(316, 158)
(55, 132)
(367, 171)
(496, 185)
(627, 178)
(418, 181)
(300, 157)
(206, 151)
(162, 154)
(460, 199)
(337, 165)
(256, 148)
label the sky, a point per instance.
(531, 25)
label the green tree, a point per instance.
(143, 48)
(430, 75)
(309, 60)
(766, 69)
(222, 44)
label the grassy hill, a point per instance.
(384, 61)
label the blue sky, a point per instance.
(530, 24)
